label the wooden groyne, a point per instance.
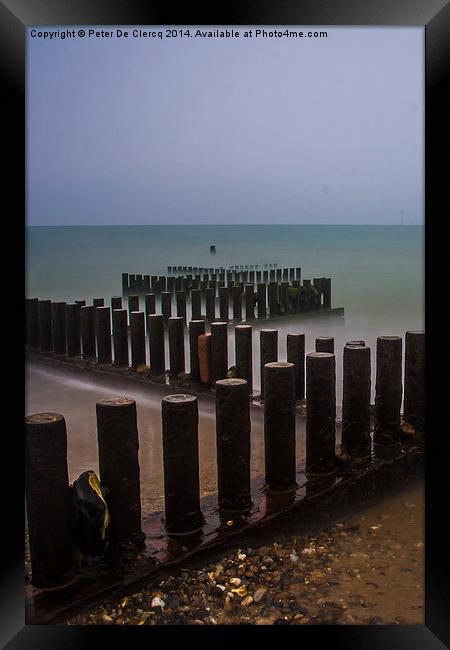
(64, 574)
(250, 291)
(191, 357)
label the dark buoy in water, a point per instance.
(212, 248)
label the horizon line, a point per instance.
(128, 225)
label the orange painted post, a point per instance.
(204, 358)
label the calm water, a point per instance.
(374, 268)
(377, 276)
(376, 271)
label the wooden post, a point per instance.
(320, 412)
(268, 349)
(176, 345)
(59, 327)
(219, 351)
(120, 337)
(103, 334)
(356, 402)
(295, 344)
(137, 336)
(47, 498)
(388, 390)
(279, 426)
(244, 354)
(118, 445)
(414, 400)
(233, 445)
(156, 344)
(181, 466)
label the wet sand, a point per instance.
(366, 569)
(61, 392)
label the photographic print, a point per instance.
(225, 345)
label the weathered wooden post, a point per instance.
(118, 447)
(133, 305)
(59, 327)
(181, 304)
(176, 345)
(82, 303)
(298, 273)
(237, 303)
(355, 438)
(73, 329)
(162, 283)
(137, 339)
(124, 283)
(210, 304)
(47, 498)
(233, 445)
(32, 322)
(196, 304)
(249, 302)
(219, 351)
(116, 303)
(279, 426)
(156, 344)
(320, 412)
(98, 302)
(224, 303)
(103, 334)
(181, 465)
(120, 337)
(150, 305)
(414, 398)
(325, 344)
(45, 325)
(268, 352)
(262, 304)
(284, 296)
(243, 354)
(171, 284)
(295, 344)
(146, 284)
(204, 358)
(88, 331)
(273, 298)
(388, 390)
(196, 329)
(326, 289)
(166, 306)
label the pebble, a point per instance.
(300, 580)
(235, 581)
(259, 594)
(158, 602)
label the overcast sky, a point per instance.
(190, 130)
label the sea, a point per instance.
(377, 275)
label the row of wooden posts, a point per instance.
(47, 487)
(77, 330)
(195, 277)
(221, 269)
(272, 298)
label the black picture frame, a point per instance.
(434, 16)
